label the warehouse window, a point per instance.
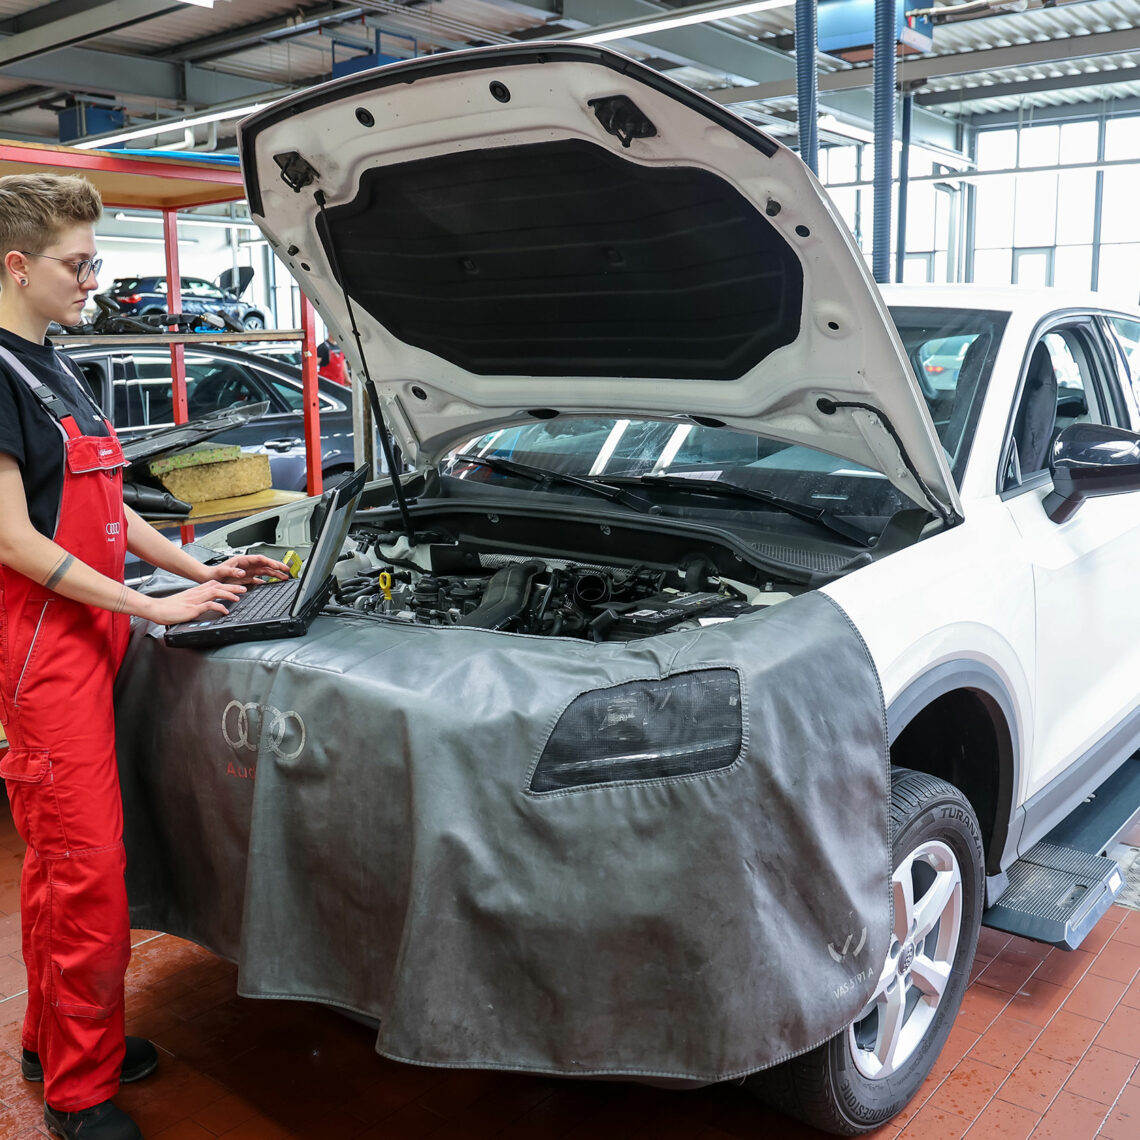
(1034, 226)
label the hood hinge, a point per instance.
(296, 173)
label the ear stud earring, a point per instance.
(23, 281)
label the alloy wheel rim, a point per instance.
(927, 887)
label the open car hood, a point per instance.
(544, 230)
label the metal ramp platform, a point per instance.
(1061, 887)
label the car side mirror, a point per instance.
(1088, 460)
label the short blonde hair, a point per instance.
(35, 208)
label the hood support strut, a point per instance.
(369, 385)
(829, 407)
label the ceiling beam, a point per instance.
(263, 31)
(108, 73)
(1029, 86)
(44, 14)
(1066, 112)
(698, 45)
(89, 23)
(960, 63)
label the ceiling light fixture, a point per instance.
(683, 17)
(183, 220)
(836, 126)
(200, 3)
(104, 238)
(168, 125)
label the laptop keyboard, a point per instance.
(258, 604)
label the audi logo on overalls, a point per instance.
(113, 529)
(250, 725)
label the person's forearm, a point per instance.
(43, 561)
(151, 546)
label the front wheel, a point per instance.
(254, 322)
(865, 1074)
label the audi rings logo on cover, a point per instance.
(249, 725)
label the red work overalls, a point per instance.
(58, 660)
(336, 369)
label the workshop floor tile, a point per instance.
(1046, 1045)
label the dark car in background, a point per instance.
(142, 295)
(135, 387)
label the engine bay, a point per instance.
(580, 574)
(544, 596)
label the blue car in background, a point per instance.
(143, 295)
(134, 386)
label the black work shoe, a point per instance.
(140, 1060)
(102, 1122)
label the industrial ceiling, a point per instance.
(133, 62)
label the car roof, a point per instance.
(241, 355)
(1019, 299)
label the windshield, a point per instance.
(950, 350)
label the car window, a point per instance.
(961, 343)
(1128, 337)
(951, 352)
(92, 373)
(130, 399)
(160, 286)
(147, 400)
(198, 288)
(291, 394)
(942, 358)
(1065, 381)
(608, 448)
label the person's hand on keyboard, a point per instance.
(209, 597)
(249, 569)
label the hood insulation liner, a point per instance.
(645, 271)
(361, 817)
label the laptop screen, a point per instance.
(330, 542)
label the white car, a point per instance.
(710, 674)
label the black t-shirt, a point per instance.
(27, 430)
(323, 350)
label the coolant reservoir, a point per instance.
(355, 564)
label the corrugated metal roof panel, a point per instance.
(191, 23)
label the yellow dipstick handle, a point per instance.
(293, 560)
(386, 585)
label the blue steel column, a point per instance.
(807, 37)
(886, 32)
(904, 176)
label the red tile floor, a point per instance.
(1046, 1045)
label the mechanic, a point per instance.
(64, 622)
(331, 364)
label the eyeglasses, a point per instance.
(83, 269)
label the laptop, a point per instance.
(283, 609)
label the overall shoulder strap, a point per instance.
(81, 384)
(54, 406)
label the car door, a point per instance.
(1085, 568)
(212, 382)
(335, 419)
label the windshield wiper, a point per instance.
(547, 478)
(818, 515)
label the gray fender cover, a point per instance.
(348, 817)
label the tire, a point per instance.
(857, 1080)
(253, 322)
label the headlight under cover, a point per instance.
(645, 730)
